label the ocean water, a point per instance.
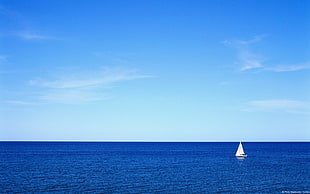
(117, 167)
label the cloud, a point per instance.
(246, 57)
(290, 106)
(287, 68)
(3, 59)
(277, 104)
(32, 36)
(250, 60)
(240, 43)
(224, 83)
(19, 102)
(83, 87)
(72, 96)
(19, 25)
(94, 79)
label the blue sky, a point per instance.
(212, 70)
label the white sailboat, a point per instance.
(240, 152)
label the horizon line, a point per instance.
(154, 141)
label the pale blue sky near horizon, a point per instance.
(155, 70)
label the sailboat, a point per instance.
(240, 153)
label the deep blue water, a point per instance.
(153, 167)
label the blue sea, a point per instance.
(136, 167)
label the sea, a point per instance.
(154, 167)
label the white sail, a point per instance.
(240, 151)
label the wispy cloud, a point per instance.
(72, 96)
(32, 36)
(21, 25)
(19, 102)
(250, 60)
(240, 43)
(224, 83)
(247, 59)
(103, 77)
(287, 68)
(277, 104)
(290, 106)
(3, 60)
(83, 87)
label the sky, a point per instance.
(158, 70)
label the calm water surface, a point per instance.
(153, 167)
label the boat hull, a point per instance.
(242, 156)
